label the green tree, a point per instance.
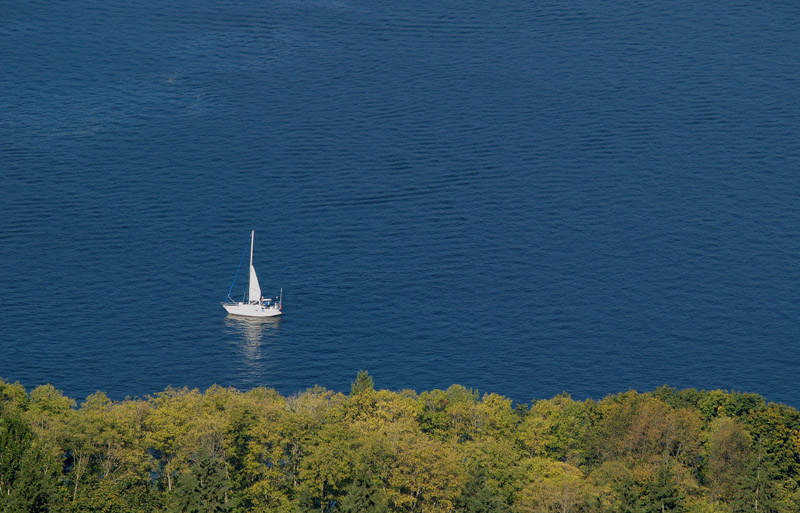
(204, 488)
(628, 496)
(13, 397)
(557, 428)
(423, 473)
(48, 414)
(478, 496)
(83, 438)
(663, 494)
(327, 465)
(365, 494)
(15, 440)
(36, 485)
(499, 461)
(759, 488)
(729, 452)
(363, 383)
(553, 487)
(270, 455)
(682, 438)
(449, 414)
(167, 427)
(777, 429)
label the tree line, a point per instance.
(454, 450)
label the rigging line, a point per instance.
(237, 273)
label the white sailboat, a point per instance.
(255, 305)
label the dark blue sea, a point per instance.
(520, 197)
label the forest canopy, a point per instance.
(454, 450)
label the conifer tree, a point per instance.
(35, 486)
(628, 496)
(758, 486)
(204, 489)
(365, 494)
(478, 496)
(363, 383)
(663, 495)
(15, 439)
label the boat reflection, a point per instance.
(253, 333)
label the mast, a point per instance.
(254, 289)
(252, 238)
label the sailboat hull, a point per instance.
(252, 310)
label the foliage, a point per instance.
(35, 488)
(374, 450)
(204, 487)
(363, 384)
(365, 494)
(478, 495)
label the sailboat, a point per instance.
(255, 305)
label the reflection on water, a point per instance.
(254, 336)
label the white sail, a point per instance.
(255, 289)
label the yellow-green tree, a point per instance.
(729, 450)
(553, 487)
(173, 413)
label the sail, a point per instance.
(255, 289)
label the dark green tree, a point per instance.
(204, 489)
(663, 494)
(758, 485)
(15, 439)
(628, 496)
(478, 497)
(365, 494)
(35, 486)
(188, 495)
(363, 383)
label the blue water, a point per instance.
(520, 197)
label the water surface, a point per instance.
(524, 198)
